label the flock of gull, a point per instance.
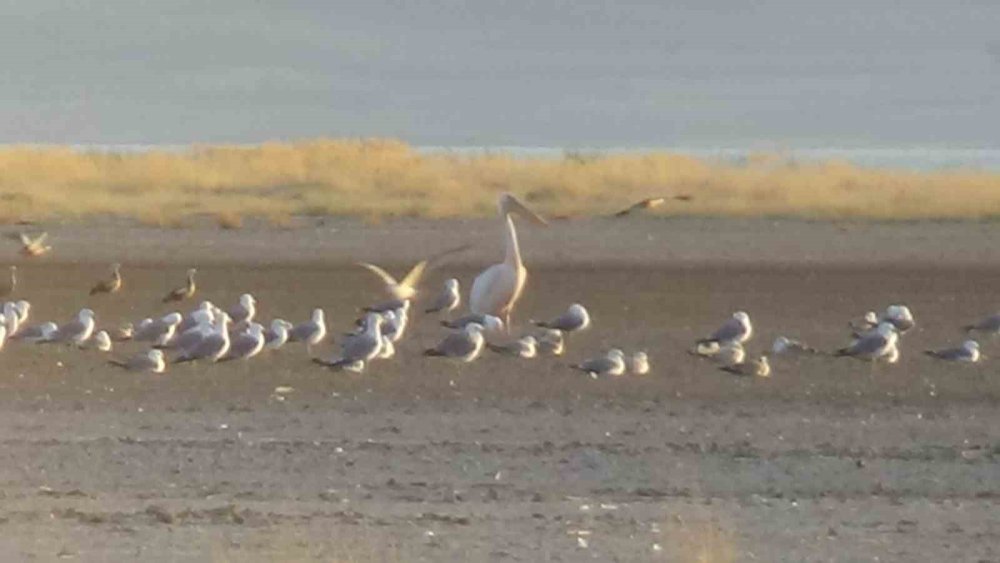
(210, 334)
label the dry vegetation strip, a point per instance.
(389, 178)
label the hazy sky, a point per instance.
(514, 72)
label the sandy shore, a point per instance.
(516, 461)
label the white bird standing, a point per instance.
(736, 329)
(362, 347)
(246, 345)
(244, 311)
(496, 290)
(276, 336)
(204, 313)
(448, 300)
(612, 363)
(967, 352)
(76, 331)
(212, 346)
(575, 318)
(158, 331)
(874, 345)
(465, 345)
(312, 332)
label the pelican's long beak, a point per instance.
(510, 204)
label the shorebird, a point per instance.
(874, 345)
(496, 290)
(785, 345)
(736, 329)
(574, 319)
(246, 345)
(406, 288)
(465, 345)
(6, 290)
(551, 342)
(211, 346)
(524, 347)
(245, 310)
(76, 331)
(448, 300)
(277, 335)
(758, 367)
(158, 331)
(150, 360)
(184, 292)
(900, 316)
(638, 363)
(650, 203)
(37, 333)
(312, 332)
(33, 247)
(361, 347)
(612, 363)
(111, 285)
(967, 352)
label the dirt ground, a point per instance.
(502, 460)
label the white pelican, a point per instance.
(448, 300)
(110, 285)
(612, 363)
(967, 352)
(496, 290)
(758, 367)
(186, 291)
(151, 361)
(574, 319)
(524, 347)
(466, 344)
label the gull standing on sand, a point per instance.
(244, 311)
(638, 363)
(211, 347)
(276, 336)
(574, 319)
(525, 347)
(158, 331)
(312, 332)
(150, 360)
(967, 352)
(395, 322)
(465, 345)
(612, 363)
(448, 300)
(8, 289)
(184, 292)
(362, 347)
(758, 367)
(110, 285)
(736, 329)
(874, 345)
(247, 345)
(34, 247)
(900, 316)
(203, 314)
(76, 331)
(496, 290)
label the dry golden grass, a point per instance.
(385, 178)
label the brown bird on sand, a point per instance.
(111, 285)
(185, 291)
(650, 203)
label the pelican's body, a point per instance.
(496, 290)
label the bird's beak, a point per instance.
(515, 205)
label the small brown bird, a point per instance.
(32, 247)
(111, 285)
(650, 203)
(184, 292)
(8, 289)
